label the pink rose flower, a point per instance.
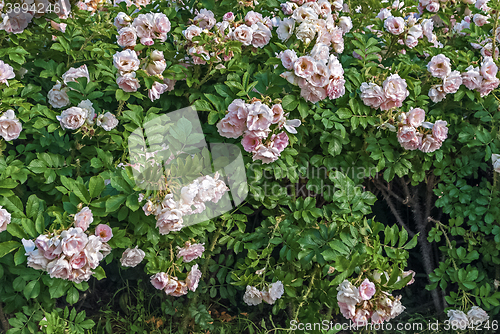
(192, 31)
(304, 66)
(73, 241)
(16, 22)
(488, 69)
(159, 281)
(59, 268)
(411, 41)
(372, 95)
(347, 310)
(487, 86)
(480, 20)
(415, 117)
(320, 52)
(126, 61)
(361, 317)
(440, 130)
(193, 278)
(74, 73)
(243, 34)
(288, 58)
(131, 257)
(430, 144)
(472, 79)
(171, 286)
(384, 14)
(6, 72)
(335, 88)
(78, 261)
(229, 16)
(104, 232)
(10, 127)
(122, 20)
(277, 110)
(433, 7)
(313, 94)
(261, 35)
(394, 25)
(72, 118)
(5, 218)
(190, 252)
(280, 141)
(266, 154)
(205, 19)
(439, 66)
(452, 82)
(320, 77)
(395, 92)
(128, 82)
(161, 26)
(127, 37)
(414, 143)
(252, 18)
(156, 90)
(84, 218)
(250, 141)
(437, 94)
(259, 117)
(367, 289)
(406, 133)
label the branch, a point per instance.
(3, 320)
(381, 186)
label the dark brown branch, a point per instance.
(3, 320)
(381, 186)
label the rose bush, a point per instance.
(332, 105)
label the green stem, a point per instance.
(311, 283)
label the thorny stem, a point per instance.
(311, 283)
(269, 255)
(448, 242)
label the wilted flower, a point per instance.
(131, 257)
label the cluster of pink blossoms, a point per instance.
(171, 284)
(409, 30)
(254, 296)
(254, 121)
(255, 30)
(315, 19)
(169, 212)
(482, 79)
(10, 127)
(84, 114)
(318, 75)
(359, 304)
(146, 28)
(18, 18)
(391, 95)
(73, 254)
(411, 139)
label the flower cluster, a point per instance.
(5, 218)
(137, 3)
(19, 17)
(260, 127)
(75, 117)
(409, 30)
(255, 30)
(482, 79)
(363, 303)
(146, 28)
(169, 212)
(175, 287)
(440, 67)
(475, 316)
(254, 296)
(391, 95)
(411, 139)
(315, 19)
(72, 254)
(318, 75)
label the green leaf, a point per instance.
(72, 296)
(96, 186)
(113, 203)
(32, 289)
(99, 273)
(8, 246)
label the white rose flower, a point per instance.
(88, 107)
(252, 296)
(58, 97)
(107, 121)
(5, 218)
(306, 32)
(477, 315)
(132, 257)
(458, 319)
